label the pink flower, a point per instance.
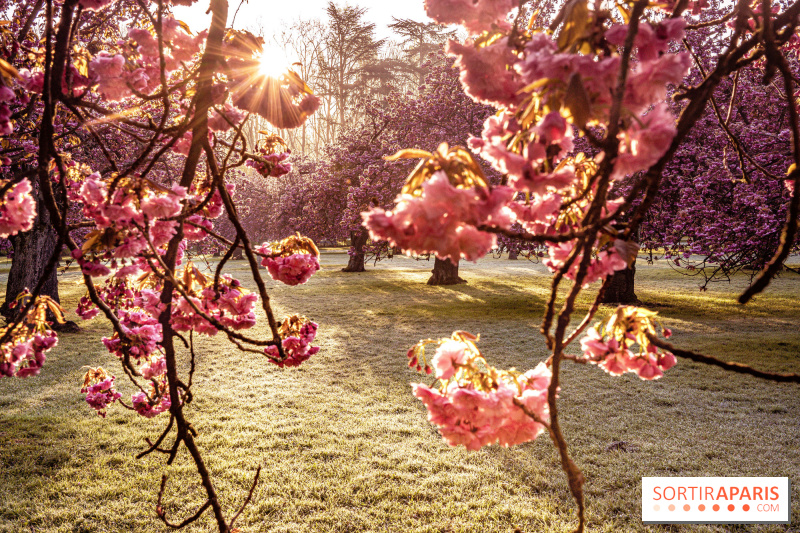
(648, 368)
(142, 404)
(648, 85)
(294, 269)
(6, 127)
(449, 354)
(475, 15)
(183, 144)
(94, 269)
(109, 72)
(94, 5)
(615, 357)
(666, 360)
(17, 210)
(6, 94)
(476, 418)
(161, 206)
(602, 265)
(100, 395)
(25, 356)
(297, 349)
(148, 45)
(157, 366)
(32, 81)
(643, 143)
(485, 72)
(191, 232)
(442, 220)
(218, 122)
(161, 231)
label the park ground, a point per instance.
(345, 447)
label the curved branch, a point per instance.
(731, 366)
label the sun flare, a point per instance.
(273, 62)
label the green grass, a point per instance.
(345, 447)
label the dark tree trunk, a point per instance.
(618, 288)
(358, 239)
(445, 272)
(513, 255)
(32, 251)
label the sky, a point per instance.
(273, 14)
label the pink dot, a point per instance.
(701, 507)
(687, 507)
(656, 507)
(746, 507)
(731, 507)
(716, 507)
(671, 507)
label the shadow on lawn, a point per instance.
(26, 447)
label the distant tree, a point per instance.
(419, 40)
(349, 53)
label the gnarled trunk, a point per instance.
(358, 239)
(513, 255)
(32, 251)
(619, 287)
(445, 272)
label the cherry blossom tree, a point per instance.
(130, 134)
(724, 199)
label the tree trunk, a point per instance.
(358, 238)
(32, 251)
(619, 287)
(445, 272)
(513, 255)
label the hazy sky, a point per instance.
(272, 14)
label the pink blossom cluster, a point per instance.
(477, 418)
(475, 15)
(226, 118)
(128, 211)
(276, 163)
(297, 348)
(24, 356)
(642, 144)
(116, 292)
(483, 73)
(231, 305)
(294, 269)
(143, 334)
(72, 81)
(117, 75)
(6, 95)
(17, 210)
(602, 264)
(443, 219)
(101, 394)
(152, 405)
(615, 358)
(94, 5)
(86, 309)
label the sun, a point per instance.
(273, 62)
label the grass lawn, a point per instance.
(345, 447)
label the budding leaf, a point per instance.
(577, 101)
